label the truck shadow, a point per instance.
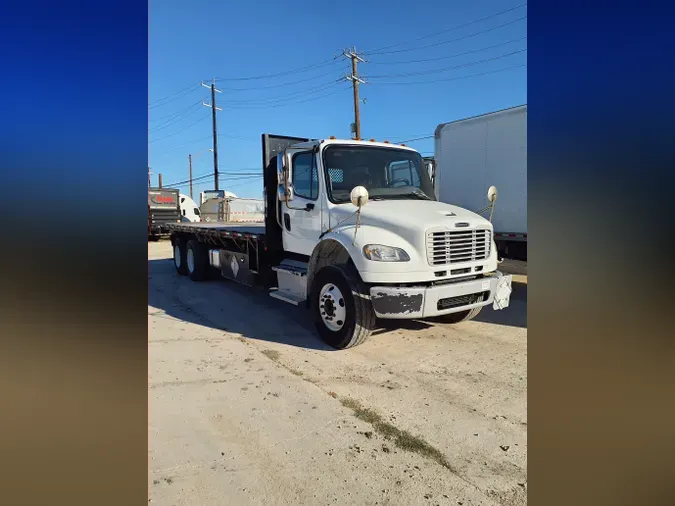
(230, 307)
(250, 312)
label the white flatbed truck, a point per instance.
(353, 231)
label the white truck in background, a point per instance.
(353, 231)
(474, 153)
(214, 194)
(189, 212)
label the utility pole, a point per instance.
(356, 80)
(160, 179)
(190, 161)
(148, 176)
(213, 107)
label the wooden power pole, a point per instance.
(159, 176)
(356, 80)
(213, 107)
(190, 162)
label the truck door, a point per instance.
(301, 218)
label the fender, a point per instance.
(340, 247)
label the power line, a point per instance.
(395, 138)
(266, 106)
(181, 130)
(225, 174)
(279, 74)
(175, 93)
(447, 57)
(455, 39)
(417, 139)
(187, 181)
(457, 27)
(313, 89)
(220, 136)
(180, 93)
(202, 180)
(446, 69)
(177, 119)
(453, 78)
(249, 88)
(171, 116)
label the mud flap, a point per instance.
(235, 266)
(502, 292)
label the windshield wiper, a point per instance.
(414, 193)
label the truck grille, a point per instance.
(445, 247)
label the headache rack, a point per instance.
(446, 247)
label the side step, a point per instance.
(292, 277)
(286, 297)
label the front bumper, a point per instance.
(392, 302)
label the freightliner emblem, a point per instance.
(462, 224)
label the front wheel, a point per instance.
(341, 307)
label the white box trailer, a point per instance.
(233, 210)
(475, 153)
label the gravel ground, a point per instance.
(248, 406)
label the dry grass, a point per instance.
(401, 438)
(271, 354)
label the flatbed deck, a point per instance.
(254, 231)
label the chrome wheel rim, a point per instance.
(332, 307)
(176, 255)
(190, 260)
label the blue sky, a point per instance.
(196, 41)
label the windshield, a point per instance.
(387, 173)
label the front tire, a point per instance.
(341, 307)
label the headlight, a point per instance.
(380, 253)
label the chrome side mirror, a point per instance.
(285, 194)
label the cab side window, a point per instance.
(305, 176)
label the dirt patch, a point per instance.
(403, 439)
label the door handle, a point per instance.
(287, 221)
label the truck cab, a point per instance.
(363, 236)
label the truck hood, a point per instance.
(409, 218)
